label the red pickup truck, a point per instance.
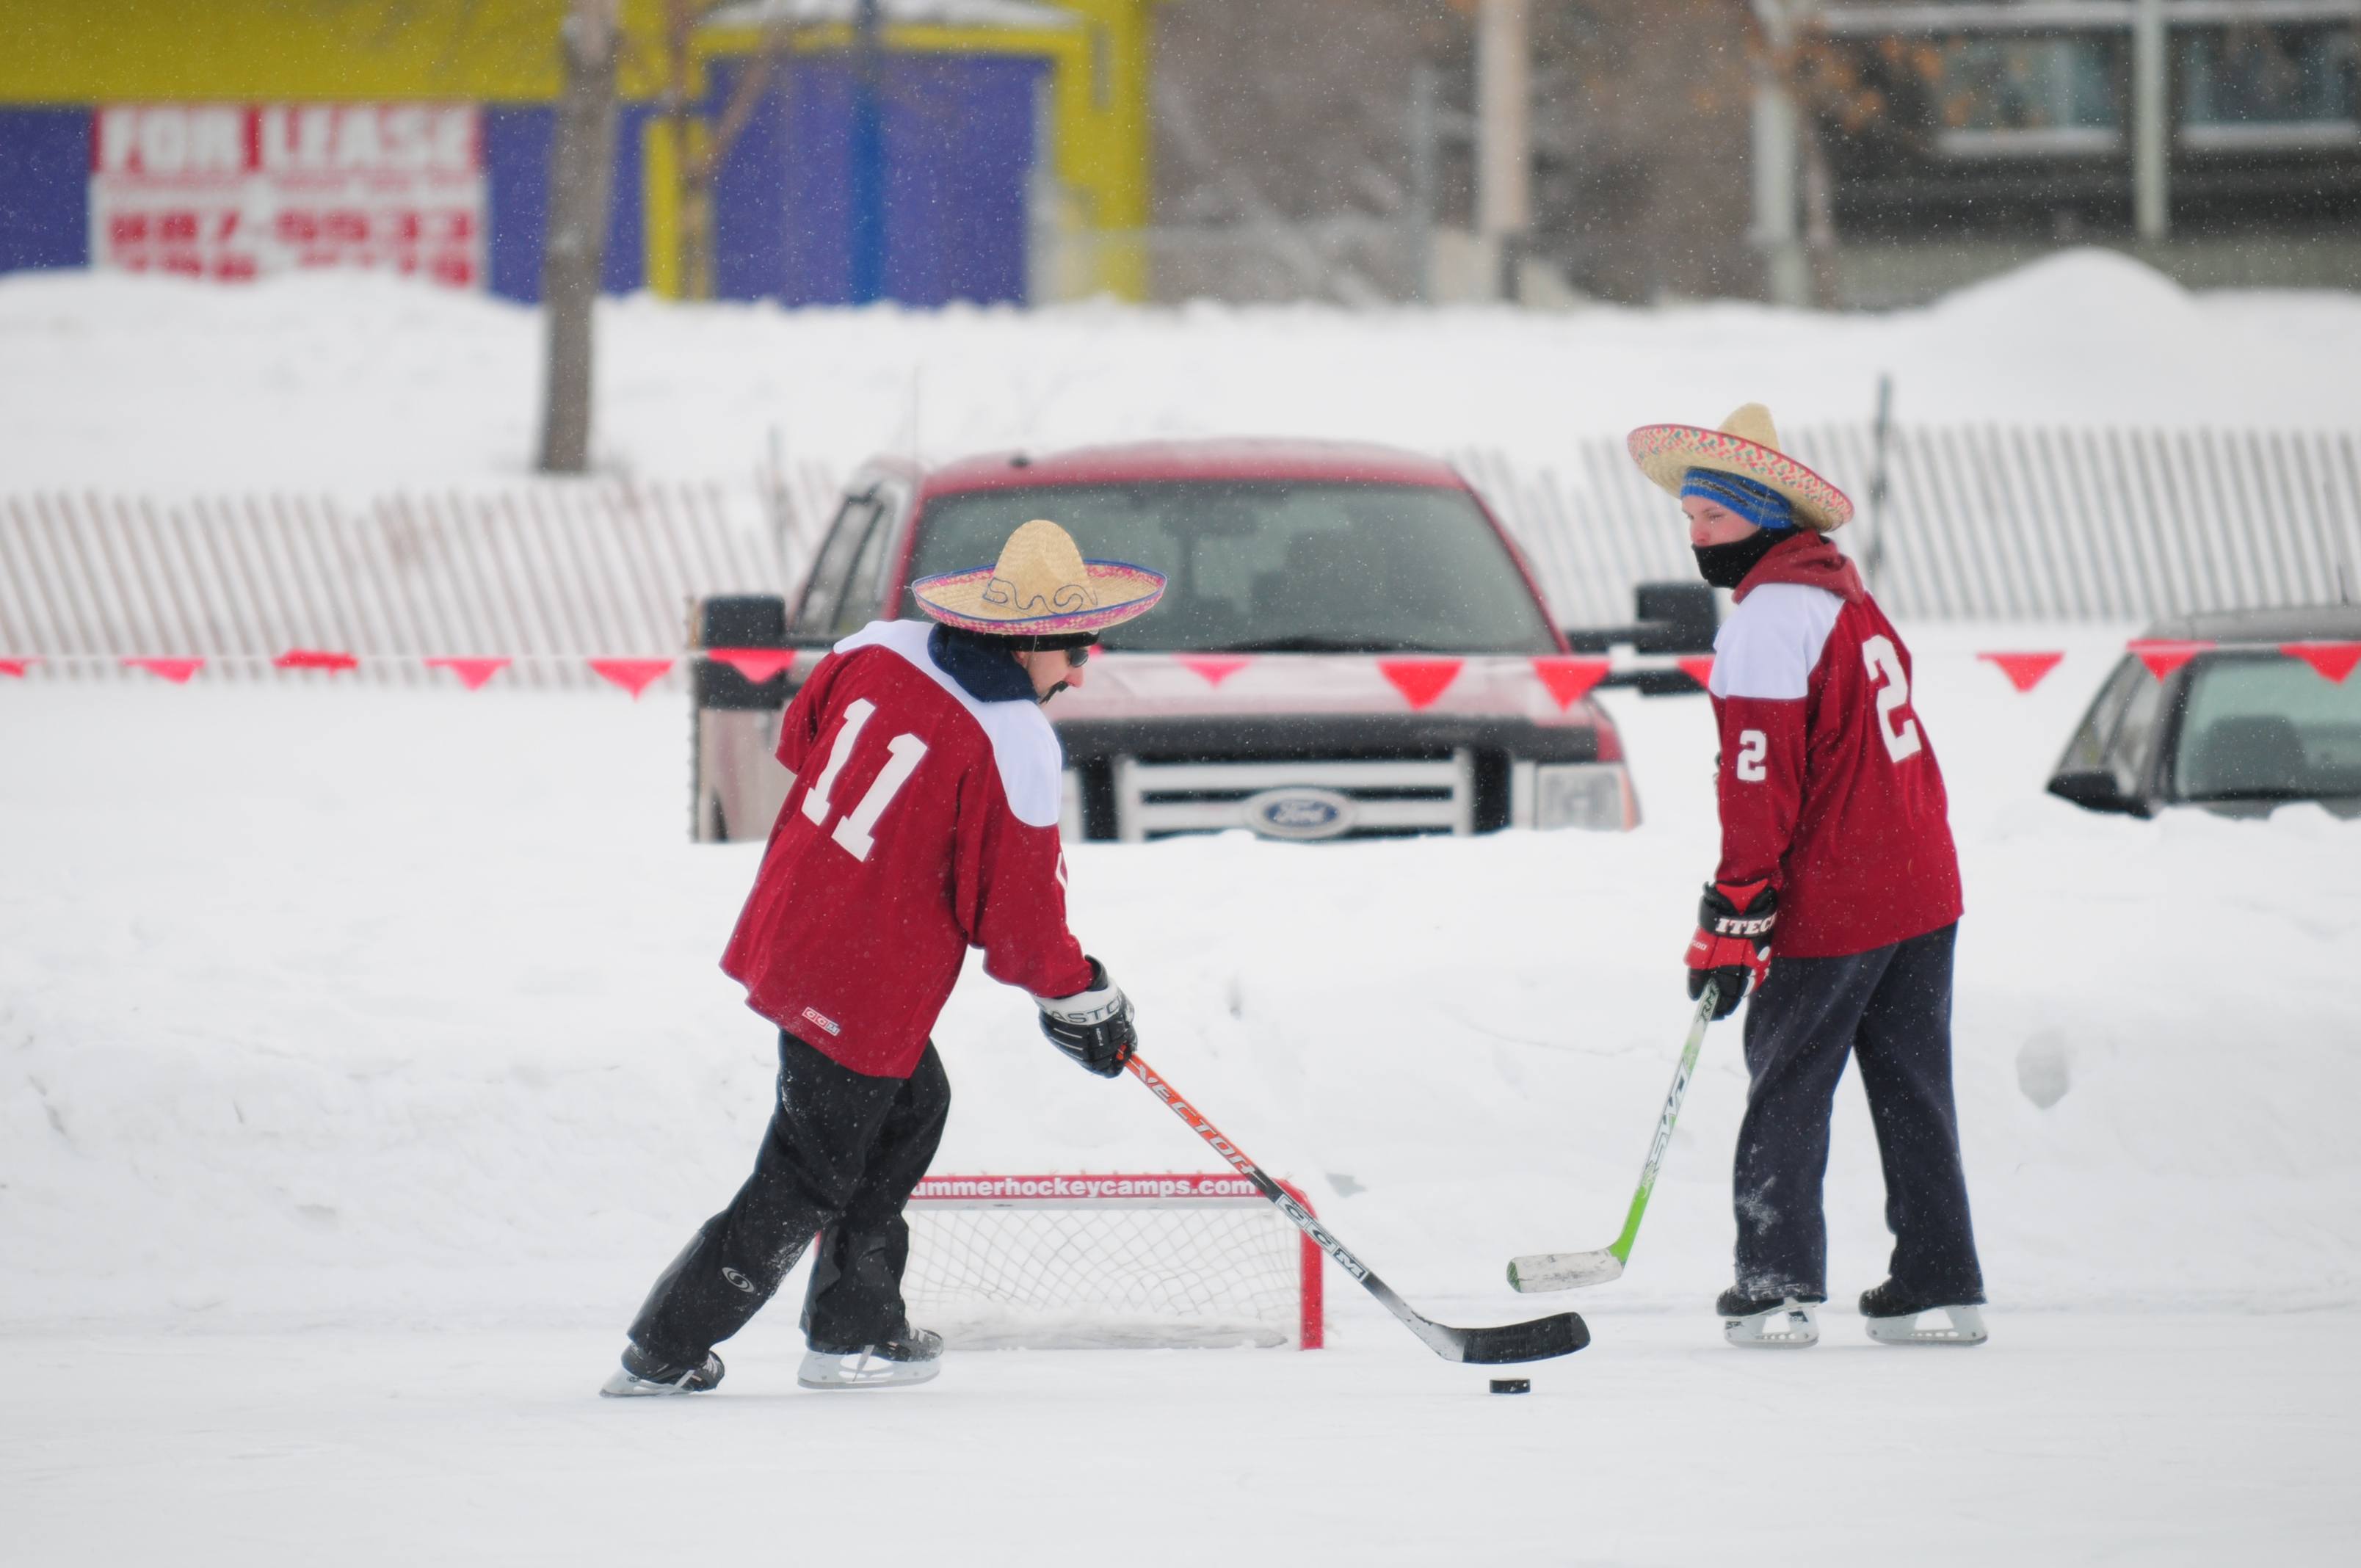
(1350, 645)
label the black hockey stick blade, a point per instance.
(1561, 1334)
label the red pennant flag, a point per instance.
(2024, 670)
(1698, 667)
(755, 663)
(1569, 679)
(634, 675)
(16, 666)
(176, 670)
(2163, 655)
(472, 672)
(1421, 680)
(2334, 660)
(1214, 667)
(315, 659)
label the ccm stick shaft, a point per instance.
(1561, 1333)
(1568, 1270)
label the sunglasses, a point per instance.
(1077, 657)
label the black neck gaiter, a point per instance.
(1726, 565)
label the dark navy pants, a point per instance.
(840, 1157)
(1891, 1009)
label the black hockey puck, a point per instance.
(1512, 1384)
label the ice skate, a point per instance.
(1769, 1322)
(643, 1374)
(1895, 1317)
(914, 1356)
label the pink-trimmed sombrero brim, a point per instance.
(956, 599)
(1666, 453)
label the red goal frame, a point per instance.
(1120, 1190)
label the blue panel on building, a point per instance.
(516, 177)
(516, 195)
(44, 188)
(624, 266)
(752, 190)
(959, 153)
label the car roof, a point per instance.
(2292, 624)
(1228, 457)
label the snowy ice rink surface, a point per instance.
(362, 1058)
(2073, 1438)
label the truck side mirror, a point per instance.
(737, 620)
(1674, 618)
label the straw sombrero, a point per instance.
(1041, 587)
(1747, 444)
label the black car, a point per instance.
(2244, 726)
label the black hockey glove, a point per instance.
(1732, 944)
(1092, 1027)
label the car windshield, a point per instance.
(1273, 567)
(2264, 726)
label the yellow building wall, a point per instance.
(95, 51)
(82, 52)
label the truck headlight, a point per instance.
(1581, 794)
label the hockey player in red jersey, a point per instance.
(922, 821)
(1837, 857)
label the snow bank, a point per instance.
(325, 1005)
(356, 383)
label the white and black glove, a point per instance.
(1092, 1027)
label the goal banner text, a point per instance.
(1184, 1185)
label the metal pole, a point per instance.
(868, 158)
(1776, 230)
(2151, 126)
(1503, 154)
(1777, 235)
(1418, 226)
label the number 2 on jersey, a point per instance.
(902, 753)
(1893, 694)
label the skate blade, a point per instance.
(1541, 1271)
(623, 1385)
(862, 1371)
(1954, 1325)
(1790, 1326)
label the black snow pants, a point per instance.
(840, 1156)
(1891, 1008)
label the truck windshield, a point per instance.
(1273, 566)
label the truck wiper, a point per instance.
(2259, 793)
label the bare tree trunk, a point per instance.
(581, 171)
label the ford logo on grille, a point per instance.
(1300, 812)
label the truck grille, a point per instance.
(1296, 799)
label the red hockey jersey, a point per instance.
(1829, 785)
(922, 822)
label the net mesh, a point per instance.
(1144, 1274)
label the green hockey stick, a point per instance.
(1542, 1271)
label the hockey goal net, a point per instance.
(1109, 1260)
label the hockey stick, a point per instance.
(1561, 1333)
(1540, 1271)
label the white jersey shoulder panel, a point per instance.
(1772, 642)
(1023, 745)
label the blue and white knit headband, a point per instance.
(1757, 503)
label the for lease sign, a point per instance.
(233, 190)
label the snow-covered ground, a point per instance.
(362, 1056)
(359, 384)
(2193, 1439)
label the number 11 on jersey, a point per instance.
(854, 834)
